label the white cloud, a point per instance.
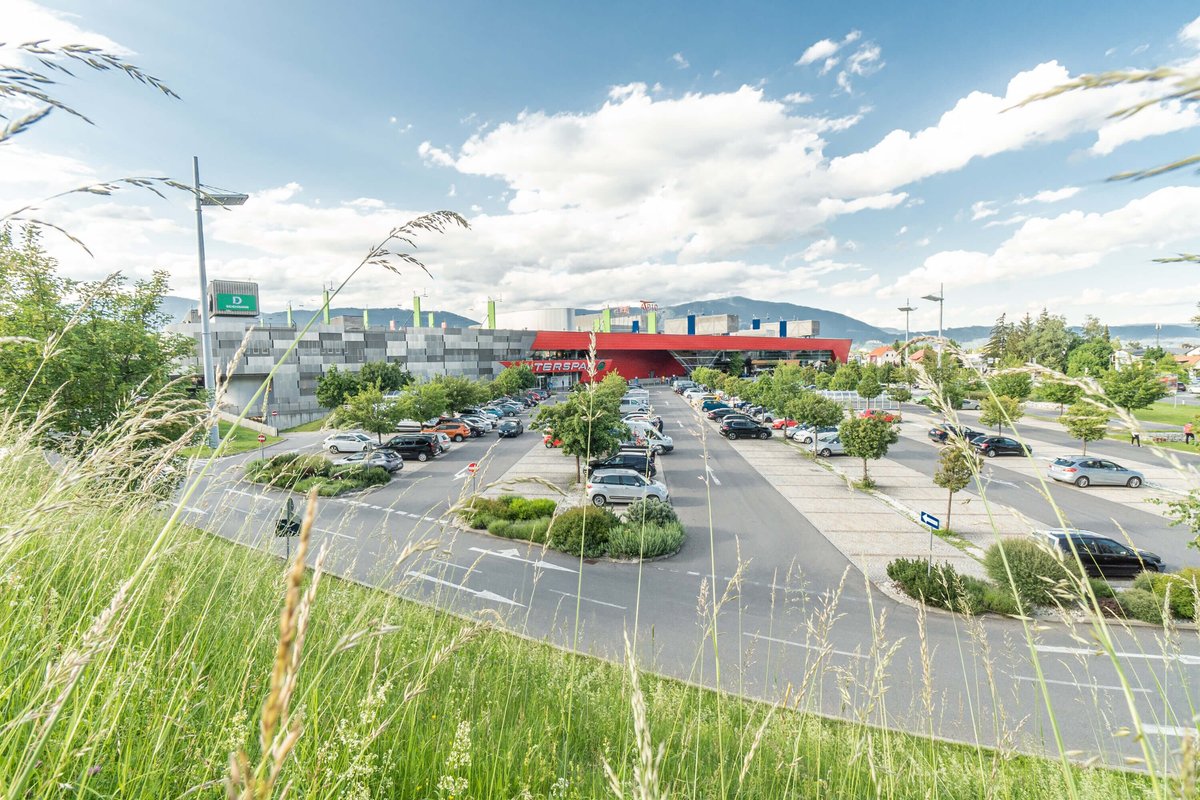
(435, 155)
(716, 73)
(924, 241)
(1154, 120)
(25, 21)
(1190, 33)
(1141, 48)
(1049, 196)
(1015, 219)
(392, 120)
(680, 61)
(453, 191)
(820, 249)
(1069, 242)
(867, 60)
(853, 288)
(982, 210)
(903, 230)
(797, 98)
(824, 49)
(829, 64)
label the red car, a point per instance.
(886, 416)
(782, 423)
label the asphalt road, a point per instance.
(757, 602)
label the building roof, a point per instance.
(608, 342)
(878, 351)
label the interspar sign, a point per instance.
(556, 366)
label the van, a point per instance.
(630, 405)
(647, 437)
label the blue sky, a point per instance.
(842, 156)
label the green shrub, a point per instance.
(585, 528)
(942, 586)
(508, 507)
(1179, 590)
(500, 527)
(362, 475)
(1039, 576)
(287, 469)
(479, 520)
(1101, 588)
(1142, 605)
(522, 508)
(530, 530)
(634, 540)
(651, 512)
(1000, 601)
(1144, 581)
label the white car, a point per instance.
(829, 446)
(444, 438)
(347, 442)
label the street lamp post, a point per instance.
(906, 308)
(940, 299)
(210, 379)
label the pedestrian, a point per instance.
(1188, 436)
(658, 424)
(1135, 438)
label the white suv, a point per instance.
(623, 486)
(347, 443)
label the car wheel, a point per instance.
(1134, 482)
(991, 453)
(731, 436)
(826, 453)
(653, 498)
(458, 437)
(422, 456)
(764, 435)
(333, 448)
(1151, 567)
(599, 501)
(1082, 482)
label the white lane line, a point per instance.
(194, 510)
(1187, 660)
(1170, 730)
(333, 533)
(472, 569)
(590, 600)
(513, 554)
(697, 574)
(805, 646)
(482, 595)
(1105, 687)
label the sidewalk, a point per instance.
(530, 475)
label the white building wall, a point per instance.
(543, 319)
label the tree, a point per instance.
(1012, 384)
(1061, 393)
(867, 438)
(387, 375)
(514, 379)
(587, 424)
(901, 394)
(1094, 329)
(1092, 358)
(1000, 410)
(335, 386)
(846, 377)
(810, 408)
(737, 364)
(426, 401)
(1049, 342)
(823, 380)
(462, 392)
(869, 387)
(93, 347)
(1133, 387)
(997, 343)
(955, 469)
(1086, 421)
(367, 409)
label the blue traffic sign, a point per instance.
(930, 521)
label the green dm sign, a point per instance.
(236, 302)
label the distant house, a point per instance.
(1123, 358)
(883, 355)
(1190, 361)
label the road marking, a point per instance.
(805, 646)
(333, 533)
(712, 475)
(194, 510)
(462, 473)
(590, 600)
(482, 595)
(1170, 730)
(513, 554)
(1080, 685)
(1084, 651)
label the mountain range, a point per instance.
(833, 324)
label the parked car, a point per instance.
(412, 445)
(992, 446)
(940, 433)
(1100, 555)
(722, 413)
(827, 446)
(1083, 471)
(742, 429)
(805, 433)
(484, 423)
(969, 404)
(388, 459)
(510, 428)
(783, 423)
(456, 431)
(886, 416)
(623, 486)
(710, 405)
(347, 442)
(638, 462)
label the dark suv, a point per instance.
(740, 428)
(1100, 555)
(940, 433)
(625, 460)
(412, 445)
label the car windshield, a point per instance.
(1063, 462)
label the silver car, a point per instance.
(347, 442)
(623, 486)
(1087, 470)
(827, 445)
(388, 459)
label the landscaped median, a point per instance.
(299, 473)
(1022, 568)
(647, 529)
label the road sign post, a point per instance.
(933, 523)
(473, 468)
(262, 441)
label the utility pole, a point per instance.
(210, 379)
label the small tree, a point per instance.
(1012, 384)
(1061, 393)
(335, 386)
(901, 394)
(586, 424)
(513, 379)
(869, 387)
(737, 364)
(810, 408)
(370, 411)
(846, 378)
(387, 375)
(1086, 421)
(1133, 387)
(867, 438)
(1001, 410)
(955, 468)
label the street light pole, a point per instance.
(210, 380)
(940, 299)
(906, 308)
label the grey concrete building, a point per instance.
(346, 343)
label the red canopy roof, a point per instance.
(609, 342)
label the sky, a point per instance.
(853, 157)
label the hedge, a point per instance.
(1141, 604)
(583, 529)
(1179, 589)
(649, 540)
(1039, 576)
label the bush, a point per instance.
(530, 530)
(1179, 590)
(287, 469)
(1101, 588)
(635, 540)
(1000, 601)
(942, 587)
(1038, 574)
(500, 527)
(585, 528)
(362, 476)
(479, 510)
(521, 508)
(1142, 605)
(651, 512)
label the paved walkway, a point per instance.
(541, 472)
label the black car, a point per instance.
(413, 445)
(940, 433)
(638, 462)
(510, 428)
(722, 413)
(992, 446)
(1102, 556)
(737, 428)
